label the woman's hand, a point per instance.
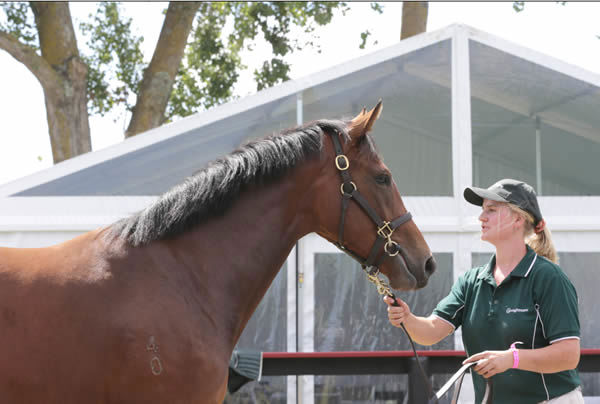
(491, 363)
(396, 314)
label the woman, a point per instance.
(518, 312)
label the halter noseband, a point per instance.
(384, 229)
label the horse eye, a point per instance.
(383, 179)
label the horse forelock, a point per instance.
(211, 191)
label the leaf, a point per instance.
(20, 23)
(363, 38)
(518, 6)
(377, 7)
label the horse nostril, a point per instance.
(430, 266)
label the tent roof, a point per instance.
(150, 163)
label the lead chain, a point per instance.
(383, 288)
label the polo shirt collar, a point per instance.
(522, 270)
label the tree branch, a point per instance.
(159, 76)
(34, 62)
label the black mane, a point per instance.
(212, 190)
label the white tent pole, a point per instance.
(462, 166)
(462, 159)
(299, 109)
(306, 303)
(304, 279)
(538, 156)
(295, 314)
(292, 305)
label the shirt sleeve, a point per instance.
(451, 308)
(558, 306)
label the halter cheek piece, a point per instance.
(384, 229)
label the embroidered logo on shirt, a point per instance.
(509, 310)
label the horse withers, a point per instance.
(150, 308)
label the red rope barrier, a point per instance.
(383, 354)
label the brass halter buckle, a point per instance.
(385, 231)
(344, 159)
(391, 243)
(347, 193)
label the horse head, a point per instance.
(371, 223)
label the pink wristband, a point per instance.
(515, 353)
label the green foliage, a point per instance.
(210, 66)
(518, 6)
(212, 62)
(272, 72)
(377, 7)
(114, 59)
(212, 58)
(363, 38)
(20, 23)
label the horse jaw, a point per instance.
(399, 276)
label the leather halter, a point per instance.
(384, 229)
(371, 264)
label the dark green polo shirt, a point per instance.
(535, 304)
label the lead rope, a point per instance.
(383, 288)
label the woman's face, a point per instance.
(497, 221)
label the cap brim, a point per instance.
(476, 196)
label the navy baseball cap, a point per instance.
(516, 192)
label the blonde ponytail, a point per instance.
(540, 242)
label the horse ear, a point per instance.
(363, 122)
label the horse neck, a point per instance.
(239, 254)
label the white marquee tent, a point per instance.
(461, 108)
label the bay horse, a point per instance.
(149, 308)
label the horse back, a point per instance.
(89, 319)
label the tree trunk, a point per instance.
(414, 18)
(66, 92)
(159, 76)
